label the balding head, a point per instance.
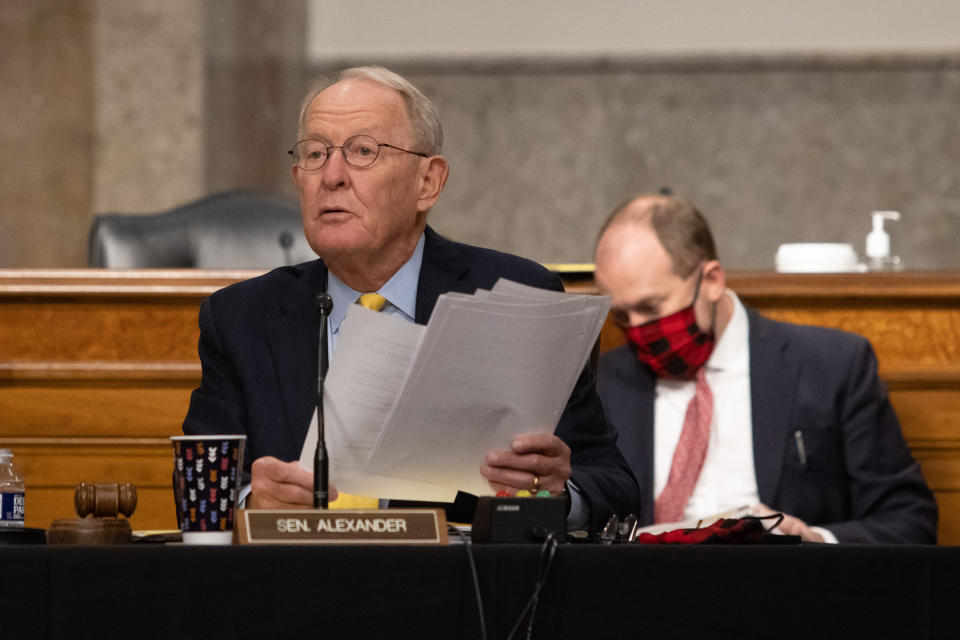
(681, 229)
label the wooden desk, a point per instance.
(96, 369)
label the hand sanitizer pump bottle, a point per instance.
(878, 244)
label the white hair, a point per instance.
(424, 119)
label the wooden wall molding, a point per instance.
(51, 371)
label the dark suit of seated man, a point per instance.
(797, 419)
(368, 169)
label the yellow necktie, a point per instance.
(373, 301)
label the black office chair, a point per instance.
(229, 230)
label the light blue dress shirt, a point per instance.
(400, 292)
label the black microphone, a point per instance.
(286, 241)
(321, 464)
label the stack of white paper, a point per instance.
(410, 411)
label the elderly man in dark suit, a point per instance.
(717, 407)
(368, 169)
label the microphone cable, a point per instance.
(547, 552)
(468, 547)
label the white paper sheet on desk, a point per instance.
(485, 372)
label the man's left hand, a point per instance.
(534, 461)
(790, 525)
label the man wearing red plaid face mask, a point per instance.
(717, 407)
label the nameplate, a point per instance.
(341, 526)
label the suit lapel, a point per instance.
(629, 392)
(443, 269)
(642, 406)
(293, 344)
(774, 372)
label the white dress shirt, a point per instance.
(727, 480)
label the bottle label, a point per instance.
(11, 507)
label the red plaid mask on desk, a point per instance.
(747, 530)
(674, 346)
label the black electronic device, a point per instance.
(503, 519)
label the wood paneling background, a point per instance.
(96, 369)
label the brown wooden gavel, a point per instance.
(105, 499)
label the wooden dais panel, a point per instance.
(96, 369)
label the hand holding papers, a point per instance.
(412, 410)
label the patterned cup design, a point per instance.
(206, 478)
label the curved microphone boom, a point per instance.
(321, 464)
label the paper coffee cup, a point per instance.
(206, 479)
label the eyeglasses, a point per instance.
(358, 151)
(617, 530)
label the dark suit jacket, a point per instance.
(258, 351)
(859, 480)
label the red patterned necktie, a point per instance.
(689, 455)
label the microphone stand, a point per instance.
(321, 463)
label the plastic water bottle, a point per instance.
(11, 492)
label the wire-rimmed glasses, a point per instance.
(359, 151)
